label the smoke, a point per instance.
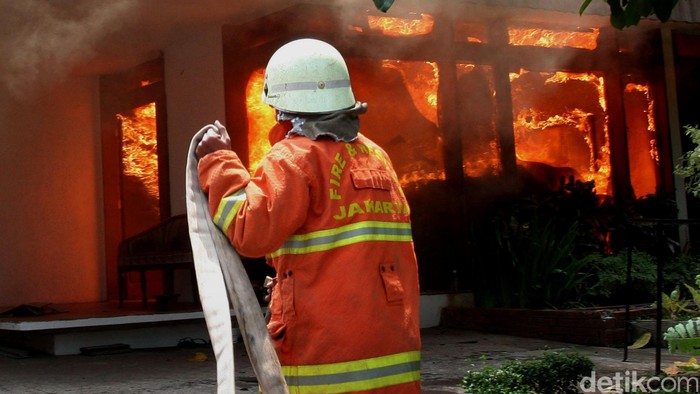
(42, 40)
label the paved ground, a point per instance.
(447, 355)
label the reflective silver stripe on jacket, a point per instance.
(345, 235)
(228, 208)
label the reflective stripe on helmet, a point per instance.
(355, 375)
(345, 235)
(294, 86)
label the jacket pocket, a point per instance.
(368, 178)
(277, 330)
(287, 293)
(392, 283)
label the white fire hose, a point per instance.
(220, 277)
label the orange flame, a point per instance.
(261, 118)
(543, 138)
(482, 156)
(597, 81)
(486, 162)
(140, 147)
(481, 152)
(651, 123)
(415, 179)
(396, 27)
(553, 38)
(421, 79)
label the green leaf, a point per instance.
(633, 12)
(695, 293)
(631, 17)
(617, 14)
(663, 8)
(584, 6)
(642, 341)
(383, 5)
(645, 7)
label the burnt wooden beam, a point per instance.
(617, 127)
(498, 37)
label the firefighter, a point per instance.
(327, 211)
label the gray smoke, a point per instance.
(42, 40)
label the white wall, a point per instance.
(51, 247)
(194, 87)
(51, 227)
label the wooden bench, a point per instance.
(165, 247)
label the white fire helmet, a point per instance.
(307, 76)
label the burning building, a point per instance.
(473, 101)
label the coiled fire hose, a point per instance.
(220, 278)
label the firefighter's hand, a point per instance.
(269, 284)
(213, 140)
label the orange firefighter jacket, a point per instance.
(332, 220)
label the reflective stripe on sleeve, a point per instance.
(356, 375)
(228, 208)
(345, 235)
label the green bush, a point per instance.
(689, 166)
(607, 284)
(490, 380)
(554, 373)
(530, 247)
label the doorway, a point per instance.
(134, 164)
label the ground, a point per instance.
(447, 355)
